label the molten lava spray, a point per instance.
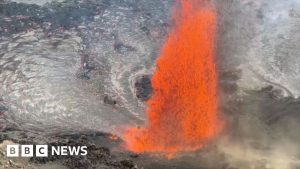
(183, 109)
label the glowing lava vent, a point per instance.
(182, 113)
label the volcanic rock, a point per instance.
(143, 87)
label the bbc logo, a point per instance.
(26, 151)
(42, 150)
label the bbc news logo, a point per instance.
(43, 151)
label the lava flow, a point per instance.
(182, 112)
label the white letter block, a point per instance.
(41, 150)
(12, 150)
(26, 150)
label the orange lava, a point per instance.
(182, 113)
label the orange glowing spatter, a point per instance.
(182, 112)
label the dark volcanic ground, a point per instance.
(73, 70)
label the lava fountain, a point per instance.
(182, 112)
